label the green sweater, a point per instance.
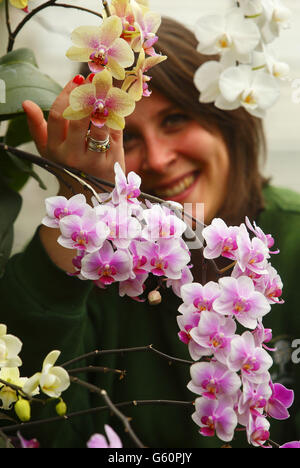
(48, 310)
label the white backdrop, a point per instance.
(49, 36)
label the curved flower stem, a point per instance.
(97, 369)
(49, 3)
(106, 7)
(7, 19)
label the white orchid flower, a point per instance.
(2, 92)
(10, 347)
(231, 33)
(276, 16)
(256, 91)
(271, 64)
(53, 380)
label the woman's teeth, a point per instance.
(178, 188)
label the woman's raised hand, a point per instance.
(64, 141)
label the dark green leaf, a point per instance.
(10, 205)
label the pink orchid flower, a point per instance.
(240, 300)
(99, 441)
(252, 401)
(213, 380)
(58, 207)
(148, 23)
(107, 265)
(267, 239)
(220, 240)
(25, 443)
(214, 334)
(84, 232)
(102, 47)
(252, 253)
(126, 189)
(198, 298)
(168, 257)
(105, 104)
(258, 431)
(161, 222)
(133, 287)
(291, 445)
(253, 362)
(187, 322)
(215, 417)
(281, 399)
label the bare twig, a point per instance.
(101, 392)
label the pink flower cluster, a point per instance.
(231, 375)
(121, 240)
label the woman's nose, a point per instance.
(159, 155)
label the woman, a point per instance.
(183, 151)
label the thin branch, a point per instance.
(106, 8)
(97, 369)
(150, 348)
(101, 392)
(15, 427)
(50, 3)
(7, 19)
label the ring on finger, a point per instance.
(98, 146)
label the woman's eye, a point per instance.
(174, 120)
(129, 139)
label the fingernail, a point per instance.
(78, 79)
(91, 76)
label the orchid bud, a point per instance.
(61, 408)
(23, 409)
(154, 297)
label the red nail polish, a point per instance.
(78, 79)
(91, 76)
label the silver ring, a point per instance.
(99, 146)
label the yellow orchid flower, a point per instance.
(102, 47)
(105, 104)
(136, 82)
(123, 9)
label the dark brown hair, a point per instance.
(242, 133)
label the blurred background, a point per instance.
(49, 36)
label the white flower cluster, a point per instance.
(247, 74)
(52, 381)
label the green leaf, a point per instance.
(25, 81)
(10, 205)
(19, 55)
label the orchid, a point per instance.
(240, 300)
(231, 34)
(10, 347)
(213, 380)
(99, 441)
(294, 444)
(199, 298)
(148, 23)
(126, 188)
(28, 444)
(214, 334)
(252, 401)
(161, 222)
(84, 232)
(53, 380)
(105, 104)
(107, 265)
(59, 207)
(220, 240)
(186, 278)
(215, 417)
(102, 47)
(168, 257)
(136, 82)
(256, 91)
(123, 9)
(258, 431)
(253, 362)
(281, 399)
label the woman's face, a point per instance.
(175, 156)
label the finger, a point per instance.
(37, 125)
(99, 134)
(76, 136)
(57, 124)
